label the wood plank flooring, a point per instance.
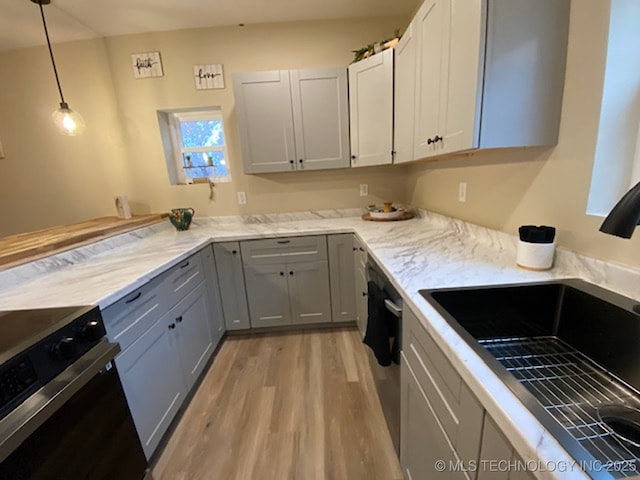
(298, 406)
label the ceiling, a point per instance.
(67, 20)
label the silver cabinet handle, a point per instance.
(393, 308)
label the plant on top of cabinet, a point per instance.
(293, 120)
(488, 74)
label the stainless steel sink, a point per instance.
(570, 351)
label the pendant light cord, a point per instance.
(63, 104)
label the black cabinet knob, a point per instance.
(301, 160)
(430, 141)
(179, 319)
(234, 252)
(281, 273)
(290, 273)
(353, 157)
(291, 162)
(364, 294)
(437, 138)
(172, 326)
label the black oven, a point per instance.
(75, 425)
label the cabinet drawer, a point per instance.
(459, 412)
(182, 278)
(134, 314)
(284, 250)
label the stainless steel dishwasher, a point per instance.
(387, 378)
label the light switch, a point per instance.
(242, 198)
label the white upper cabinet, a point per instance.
(371, 110)
(405, 87)
(292, 120)
(488, 74)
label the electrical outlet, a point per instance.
(1, 151)
(364, 189)
(462, 192)
(242, 198)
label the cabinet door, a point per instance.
(423, 441)
(362, 309)
(191, 333)
(431, 29)
(268, 295)
(265, 121)
(309, 292)
(216, 317)
(153, 383)
(461, 103)
(231, 282)
(321, 118)
(371, 110)
(404, 99)
(342, 277)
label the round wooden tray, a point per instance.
(404, 216)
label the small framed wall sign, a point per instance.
(208, 76)
(146, 65)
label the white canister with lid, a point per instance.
(535, 256)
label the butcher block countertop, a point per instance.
(27, 247)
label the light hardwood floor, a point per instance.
(298, 406)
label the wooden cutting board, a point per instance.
(27, 247)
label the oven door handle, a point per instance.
(393, 308)
(16, 427)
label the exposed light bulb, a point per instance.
(67, 121)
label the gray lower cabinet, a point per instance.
(153, 382)
(287, 280)
(165, 331)
(342, 277)
(309, 292)
(232, 288)
(286, 294)
(268, 295)
(190, 331)
(441, 418)
(360, 265)
(423, 441)
(495, 452)
(216, 316)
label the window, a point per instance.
(617, 154)
(195, 145)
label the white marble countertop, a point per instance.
(427, 252)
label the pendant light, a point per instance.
(66, 120)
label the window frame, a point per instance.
(175, 119)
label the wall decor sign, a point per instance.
(208, 76)
(146, 65)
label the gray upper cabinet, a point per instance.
(293, 120)
(216, 316)
(231, 282)
(342, 277)
(320, 118)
